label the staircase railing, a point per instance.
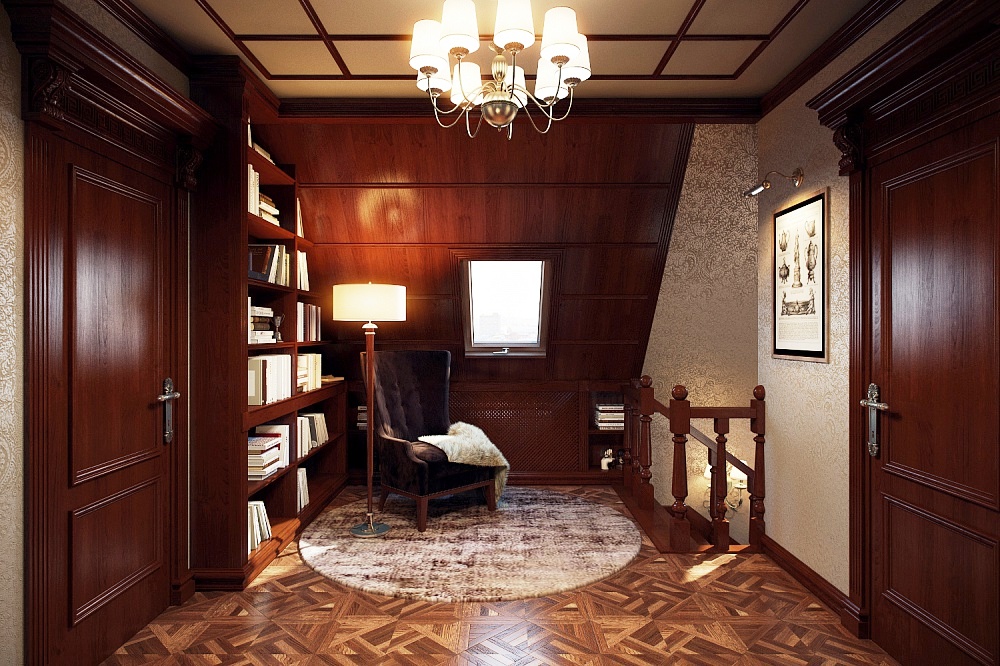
(670, 527)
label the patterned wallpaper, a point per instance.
(11, 345)
(704, 334)
(807, 438)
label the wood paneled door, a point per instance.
(935, 483)
(107, 516)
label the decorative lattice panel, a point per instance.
(537, 431)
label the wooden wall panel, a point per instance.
(402, 203)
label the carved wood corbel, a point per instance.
(49, 84)
(189, 159)
(847, 138)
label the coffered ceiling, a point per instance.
(639, 48)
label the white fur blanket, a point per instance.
(467, 444)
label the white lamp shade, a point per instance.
(459, 29)
(547, 81)
(515, 76)
(425, 49)
(578, 66)
(439, 81)
(559, 34)
(738, 475)
(514, 24)
(369, 302)
(469, 86)
(708, 471)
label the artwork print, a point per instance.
(800, 275)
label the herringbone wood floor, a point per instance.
(661, 609)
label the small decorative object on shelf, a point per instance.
(608, 460)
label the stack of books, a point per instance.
(269, 262)
(267, 209)
(362, 417)
(303, 494)
(260, 324)
(253, 190)
(258, 525)
(609, 416)
(309, 322)
(263, 456)
(269, 378)
(309, 372)
(282, 432)
(302, 266)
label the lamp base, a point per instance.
(370, 528)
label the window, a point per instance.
(505, 305)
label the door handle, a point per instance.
(874, 407)
(167, 398)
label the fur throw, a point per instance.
(467, 444)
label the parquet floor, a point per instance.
(661, 609)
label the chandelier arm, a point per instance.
(531, 120)
(437, 116)
(479, 124)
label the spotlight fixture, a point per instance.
(563, 65)
(797, 177)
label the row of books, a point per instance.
(269, 262)
(309, 374)
(609, 416)
(362, 417)
(302, 268)
(312, 432)
(259, 203)
(258, 525)
(309, 319)
(269, 378)
(302, 496)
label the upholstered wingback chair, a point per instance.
(411, 400)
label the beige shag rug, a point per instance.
(538, 542)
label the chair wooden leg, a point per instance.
(421, 514)
(491, 496)
(381, 499)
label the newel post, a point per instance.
(627, 440)
(680, 426)
(758, 491)
(645, 490)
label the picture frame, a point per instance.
(801, 320)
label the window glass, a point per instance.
(506, 302)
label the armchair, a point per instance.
(411, 400)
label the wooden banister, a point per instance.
(637, 488)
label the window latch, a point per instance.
(503, 351)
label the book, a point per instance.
(303, 488)
(259, 260)
(284, 432)
(303, 271)
(261, 151)
(298, 219)
(269, 378)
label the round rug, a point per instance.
(538, 542)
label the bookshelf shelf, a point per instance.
(221, 419)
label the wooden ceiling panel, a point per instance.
(631, 58)
(426, 271)
(371, 57)
(294, 58)
(709, 58)
(377, 154)
(611, 270)
(485, 214)
(274, 17)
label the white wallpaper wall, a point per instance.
(704, 333)
(807, 438)
(11, 345)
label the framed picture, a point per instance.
(801, 322)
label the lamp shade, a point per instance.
(559, 34)
(514, 82)
(369, 302)
(738, 475)
(467, 84)
(438, 83)
(577, 70)
(459, 29)
(425, 49)
(515, 26)
(547, 83)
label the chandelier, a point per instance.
(563, 64)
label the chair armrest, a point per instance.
(400, 467)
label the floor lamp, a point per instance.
(369, 302)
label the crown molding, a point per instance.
(153, 35)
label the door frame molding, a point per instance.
(79, 86)
(943, 67)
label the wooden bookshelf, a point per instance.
(221, 419)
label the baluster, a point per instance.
(645, 495)
(757, 493)
(627, 445)
(720, 484)
(680, 426)
(634, 448)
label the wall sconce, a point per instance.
(736, 480)
(797, 177)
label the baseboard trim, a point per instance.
(850, 614)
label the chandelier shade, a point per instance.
(564, 64)
(459, 28)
